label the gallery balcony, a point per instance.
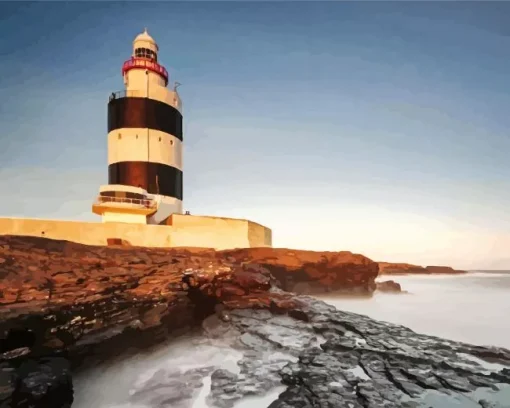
(110, 204)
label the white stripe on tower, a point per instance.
(136, 144)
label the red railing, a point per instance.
(121, 200)
(136, 62)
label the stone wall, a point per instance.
(218, 232)
(258, 234)
(183, 230)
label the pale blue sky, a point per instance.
(376, 127)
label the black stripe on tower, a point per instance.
(130, 112)
(156, 178)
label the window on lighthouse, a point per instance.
(145, 53)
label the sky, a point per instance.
(380, 128)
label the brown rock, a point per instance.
(75, 296)
(389, 286)
(386, 268)
(251, 280)
(443, 270)
(320, 271)
(228, 290)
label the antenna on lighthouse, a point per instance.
(177, 85)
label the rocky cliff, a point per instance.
(62, 302)
(69, 293)
(51, 272)
(387, 268)
(65, 305)
(309, 272)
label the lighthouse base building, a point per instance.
(142, 203)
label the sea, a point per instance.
(472, 308)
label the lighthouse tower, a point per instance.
(144, 143)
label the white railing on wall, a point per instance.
(121, 200)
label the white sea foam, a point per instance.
(201, 400)
(261, 401)
(468, 400)
(489, 367)
(481, 274)
(111, 386)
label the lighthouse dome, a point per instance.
(145, 40)
(144, 37)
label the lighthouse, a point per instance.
(145, 176)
